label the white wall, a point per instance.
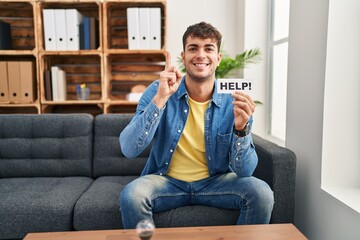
(222, 15)
(318, 215)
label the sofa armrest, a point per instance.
(277, 166)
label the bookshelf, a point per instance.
(109, 69)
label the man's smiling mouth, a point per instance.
(201, 64)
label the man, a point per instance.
(202, 152)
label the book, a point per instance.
(5, 36)
(48, 85)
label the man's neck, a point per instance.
(200, 91)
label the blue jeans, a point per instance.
(154, 193)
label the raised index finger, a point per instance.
(168, 60)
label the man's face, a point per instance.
(201, 58)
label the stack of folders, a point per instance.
(55, 84)
(17, 81)
(5, 36)
(69, 30)
(144, 28)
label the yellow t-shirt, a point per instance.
(189, 161)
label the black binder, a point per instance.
(5, 35)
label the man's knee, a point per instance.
(263, 193)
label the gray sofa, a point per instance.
(64, 172)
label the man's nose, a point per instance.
(201, 53)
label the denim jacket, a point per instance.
(225, 151)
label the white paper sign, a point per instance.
(230, 85)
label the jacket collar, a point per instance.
(182, 92)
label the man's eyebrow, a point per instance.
(192, 45)
(206, 45)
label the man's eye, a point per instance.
(209, 49)
(192, 49)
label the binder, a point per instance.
(14, 81)
(49, 29)
(62, 89)
(144, 28)
(155, 28)
(60, 26)
(85, 35)
(5, 35)
(27, 81)
(73, 22)
(54, 83)
(4, 88)
(133, 27)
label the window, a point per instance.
(278, 67)
(341, 130)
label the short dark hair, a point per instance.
(202, 30)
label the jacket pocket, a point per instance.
(223, 142)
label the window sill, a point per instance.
(346, 195)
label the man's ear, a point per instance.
(182, 57)
(219, 58)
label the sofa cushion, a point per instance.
(98, 207)
(38, 204)
(108, 158)
(101, 201)
(47, 145)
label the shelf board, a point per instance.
(70, 102)
(121, 102)
(18, 52)
(132, 52)
(10, 105)
(69, 53)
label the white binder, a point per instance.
(54, 83)
(49, 29)
(60, 26)
(133, 27)
(144, 28)
(155, 28)
(73, 22)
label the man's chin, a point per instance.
(201, 78)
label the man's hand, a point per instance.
(244, 107)
(169, 82)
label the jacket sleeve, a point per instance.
(243, 157)
(138, 134)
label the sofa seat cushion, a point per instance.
(98, 209)
(196, 215)
(38, 204)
